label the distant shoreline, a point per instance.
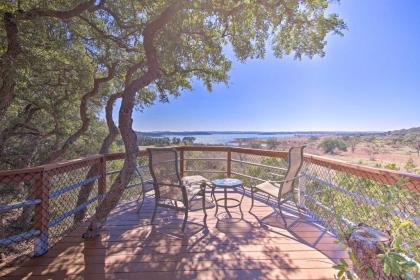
(234, 138)
(296, 133)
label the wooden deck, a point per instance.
(220, 247)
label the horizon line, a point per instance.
(265, 131)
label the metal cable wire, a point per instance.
(32, 219)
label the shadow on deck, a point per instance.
(130, 246)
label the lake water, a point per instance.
(225, 139)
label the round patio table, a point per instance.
(227, 184)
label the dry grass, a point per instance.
(381, 156)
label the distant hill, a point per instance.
(402, 132)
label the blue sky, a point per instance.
(368, 80)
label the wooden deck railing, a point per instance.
(383, 176)
(48, 194)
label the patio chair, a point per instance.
(168, 185)
(145, 185)
(283, 190)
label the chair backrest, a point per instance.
(295, 160)
(140, 171)
(163, 164)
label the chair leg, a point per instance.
(154, 212)
(281, 214)
(185, 220)
(252, 199)
(298, 208)
(142, 201)
(204, 204)
(214, 199)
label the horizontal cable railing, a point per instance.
(39, 205)
(335, 193)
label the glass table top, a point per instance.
(227, 182)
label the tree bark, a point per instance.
(113, 131)
(366, 243)
(131, 150)
(8, 65)
(23, 122)
(83, 115)
(125, 120)
(63, 15)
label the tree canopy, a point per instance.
(63, 62)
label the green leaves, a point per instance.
(344, 271)
(395, 264)
(330, 145)
(60, 57)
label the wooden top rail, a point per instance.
(384, 176)
(257, 152)
(50, 166)
(117, 156)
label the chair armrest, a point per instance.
(203, 186)
(284, 181)
(170, 185)
(202, 183)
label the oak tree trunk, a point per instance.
(131, 151)
(366, 243)
(113, 131)
(125, 119)
(8, 64)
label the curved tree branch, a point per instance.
(120, 43)
(125, 118)
(28, 113)
(7, 63)
(112, 128)
(63, 15)
(113, 131)
(83, 115)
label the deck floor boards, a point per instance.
(131, 246)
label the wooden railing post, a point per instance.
(102, 178)
(181, 162)
(41, 217)
(229, 164)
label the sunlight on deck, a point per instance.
(256, 246)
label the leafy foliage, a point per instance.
(330, 145)
(413, 140)
(410, 165)
(394, 260)
(55, 50)
(139, 51)
(164, 141)
(383, 203)
(392, 166)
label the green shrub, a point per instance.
(410, 165)
(313, 138)
(330, 145)
(392, 166)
